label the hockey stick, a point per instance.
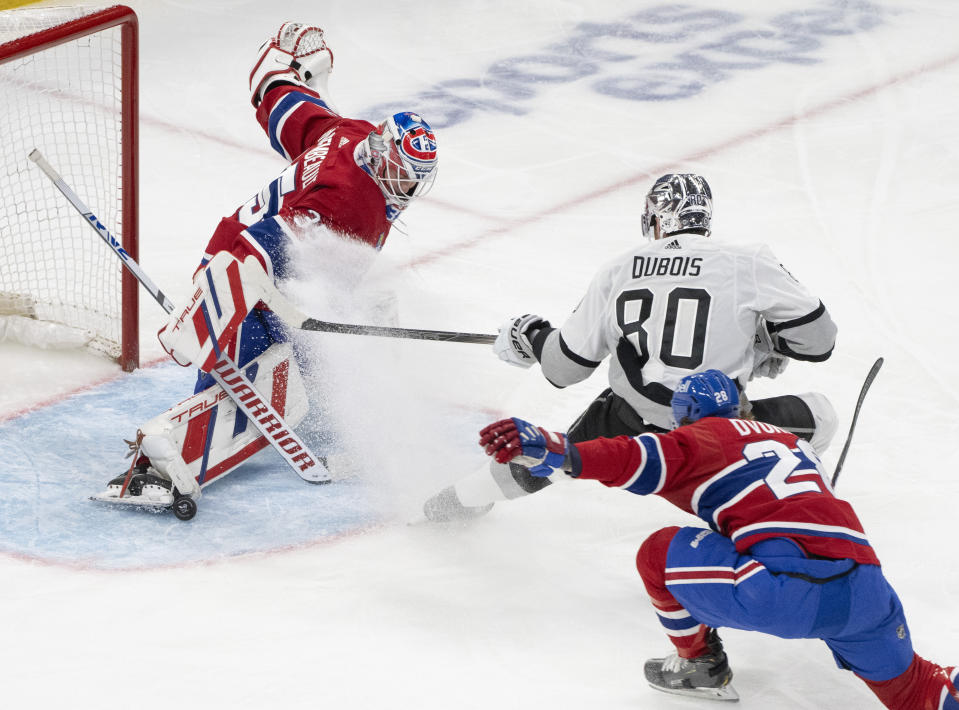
(446, 336)
(295, 318)
(870, 376)
(231, 378)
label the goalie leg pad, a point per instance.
(166, 459)
(208, 434)
(260, 331)
(227, 289)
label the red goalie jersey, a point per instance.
(324, 181)
(748, 480)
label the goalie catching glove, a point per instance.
(296, 54)
(226, 291)
(513, 341)
(543, 452)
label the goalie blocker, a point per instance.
(205, 437)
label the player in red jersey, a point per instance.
(347, 176)
(778, 538)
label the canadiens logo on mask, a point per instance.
(419, 144)
(404, 157)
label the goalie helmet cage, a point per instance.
(68, 86)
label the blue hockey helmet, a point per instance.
(403, 160)
(710, 393)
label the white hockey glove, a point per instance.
(511, 343)
(226, 291)
(767, 362)
(297, 53)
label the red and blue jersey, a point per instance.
(749, 481)
(323, 182)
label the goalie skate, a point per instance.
(145, 489)
(205, 437)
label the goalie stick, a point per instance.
(870, 376)
(225, 372)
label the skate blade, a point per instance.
(131, 501)
(317, 479)
(727, 692)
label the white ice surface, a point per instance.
(843, 158)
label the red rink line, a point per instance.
(7, 416)
(83, 565)
(647, 175)
(456, 248)
(230, 143)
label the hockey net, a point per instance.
(68, 86)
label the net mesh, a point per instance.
(66, 101)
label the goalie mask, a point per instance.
(677, 203)
(710, 393)
(402, 157)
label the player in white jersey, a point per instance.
(677, 304)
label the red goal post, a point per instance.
(69, 86)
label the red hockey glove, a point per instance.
(543, 452)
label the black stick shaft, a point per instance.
(870, 376)
(387, 332)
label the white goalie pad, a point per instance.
(226, 291)
(212, 437)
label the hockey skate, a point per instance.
(142, 487)
(706, 677)
(445, 507)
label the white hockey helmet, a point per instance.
(678, 203)
(402, 157)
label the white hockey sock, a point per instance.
(480, 488)
(824, 417)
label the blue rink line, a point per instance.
(52, 460)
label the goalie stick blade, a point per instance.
(867, 383)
